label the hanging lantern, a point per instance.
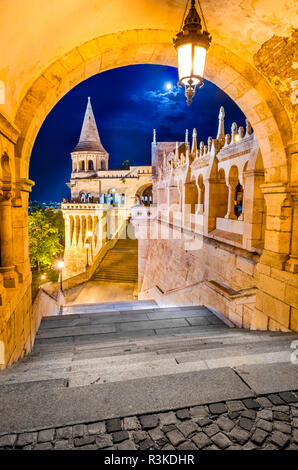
(191, 44)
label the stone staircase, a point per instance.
(135, 357)
(120, 263)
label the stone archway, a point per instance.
(232, 74)
(238, 78)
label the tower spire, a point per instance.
(221, 124)
(194, 142)
(89, 138)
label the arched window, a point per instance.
(238, 207)
(122, 198)
(90, 165)
(82, 165)
(83, 197)
(102, 165)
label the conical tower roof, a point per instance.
(89, 138)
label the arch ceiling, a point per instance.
(65, 42)
(40, 32)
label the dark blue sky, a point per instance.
(128, 103)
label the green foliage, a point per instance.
(126, 165)
(46, 237)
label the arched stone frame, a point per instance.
(232, 180)
(239, 79)
(235, 76)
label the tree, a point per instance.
(46, 237)
(126, 165)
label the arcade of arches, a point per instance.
(251, 58)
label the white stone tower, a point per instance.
(89, 156)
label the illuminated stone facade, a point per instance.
(100, 198)
(251, 58)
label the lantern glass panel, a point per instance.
(184, 61)
(199, 61)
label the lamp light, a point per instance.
(192, 44)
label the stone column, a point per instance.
(6, 247)
(230, 213)
(292, 263)
(67, 231)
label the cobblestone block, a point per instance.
(63, 445)
(183, 414)
(280, 439)
(187, 445)
(280, 416)
(175, 437)
(83, 441)
(167, 418)
(275, 399)
(204, 422)
(120, 436)
(221, 440)
(168, 428)
(26, 438)
(127, 445)
(149, 421)
(265, 425)
(96, 428)
(78, 430)
(265, 414)
(8, 440)
(264, 402)
(235, 405)
(188, 428)
(259, 436)
(139, 436)
(43, 446)
(217, 408)
(201, 440)
(251, 404)
(146, 444)
(158, 436)
(288, 397)
(239, 435)
(282, 427)
(198, 411)
(131, 423)
(103, 441)
(246, 423)
(250, 414)
(47, 435)
(225, 423)
(64, 433)
(113, 425)
(211, 430)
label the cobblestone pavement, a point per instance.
(266, 422)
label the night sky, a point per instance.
(128, 103)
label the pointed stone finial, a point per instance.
(186, 136)
(241, 132)
(221, 124)
(233, 132)
(202, 148)
(227, 139)
(194, 141)
(209, 144)
(154, 136)
(248, 129)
